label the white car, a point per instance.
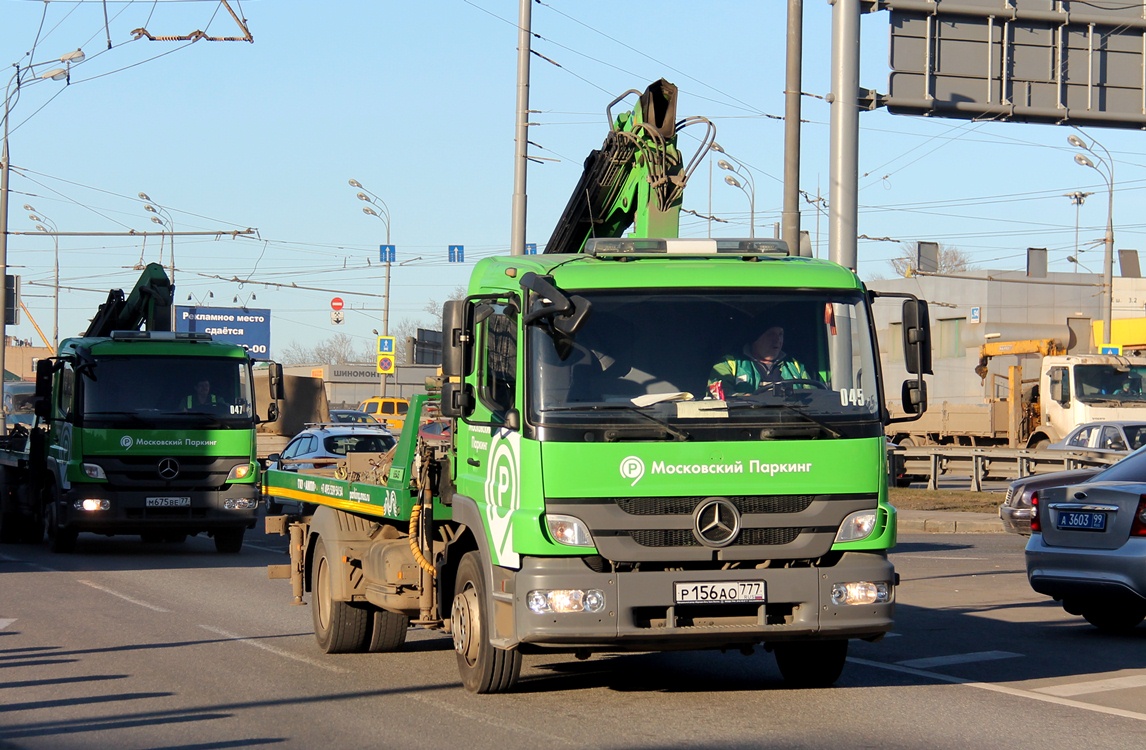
(1119, 437)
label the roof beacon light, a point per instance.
(691, 247)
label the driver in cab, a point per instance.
(759, 365)
(202, 399)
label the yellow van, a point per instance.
(389, 411)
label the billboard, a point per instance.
(1018, 60)
(245, 326)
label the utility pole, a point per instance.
(790, 216)
(521, 134)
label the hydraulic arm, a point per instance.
(146, 308)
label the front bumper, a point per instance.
(1073, 572)
(640, 613)
(129, 513)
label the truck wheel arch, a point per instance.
(465, 512)
(337, 530)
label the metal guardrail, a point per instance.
(979, 463)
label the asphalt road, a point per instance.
(128, 645)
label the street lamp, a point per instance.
(748, 186)
(1108, 257)
(162, 217)
(1077, 198)
(22, 75)
(384, 216)
(56, 243)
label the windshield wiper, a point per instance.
(799, 412)
(677, 434)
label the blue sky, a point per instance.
(416, 101)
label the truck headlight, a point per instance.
(94, 471)
(92, 504)
(569, 530)
(861, 592)
(241, 503)
(858, 525)
(242, 471)
(564, 601)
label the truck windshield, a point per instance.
(708, 365)
(1106, 383)
(167, 391)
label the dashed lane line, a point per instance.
(125, 597)
(271, 649)
(968, 658)
(1004, 689)
(1095, 686)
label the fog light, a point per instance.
(569, 530)
(857, 526)
(861, 592)
(564, 601)
(240, 503)
(92, 504)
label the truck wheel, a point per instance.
(59, 539)
(339, 627)
(229, 541)
(386, 631)
(483, 667)
(811, 664)
(1115, 617)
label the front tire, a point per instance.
(60, 540)
(483, 667)
(339, 627)
(811, 664)
(229, 541)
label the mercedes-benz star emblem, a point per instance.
(716, 522)
(168, 468)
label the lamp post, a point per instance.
(748, 186)
(162, 217)
(32, 214)
(1108, 256)
(384, 216)
(18, 79)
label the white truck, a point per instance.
(1069, 389)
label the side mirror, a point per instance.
(914, 396)
(457, 400)
(916, 337)
(42, 404)
(457, 340)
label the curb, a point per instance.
(941, 522)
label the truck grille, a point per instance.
(671, 506)
(664, 529)
(194, 472)
(685, 537)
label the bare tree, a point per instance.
(337, 350)
(951, 260)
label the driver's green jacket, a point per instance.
(740, 375)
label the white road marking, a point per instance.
(1095, 686)
(940, 557)
(968, 658)
(125, 597)
(1016, 692)
(273, 650)
(6, 621)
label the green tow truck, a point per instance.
(121, 445)
(592, 496)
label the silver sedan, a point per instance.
(1088, 548)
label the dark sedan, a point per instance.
(1015, 511)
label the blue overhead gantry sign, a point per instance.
(246, 326)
